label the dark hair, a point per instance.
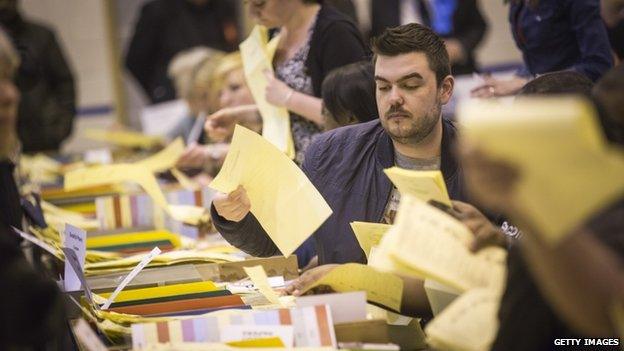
(561, 82)
(349, 93)
(410, 38)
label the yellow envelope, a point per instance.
(567, 169)
(282, 198)
(257, 58)
(369, 235)
(435, 245)
(470, 323)
(163, 291)
(425, 185)
(385, 289)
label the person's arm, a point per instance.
(592, 38)
(471, 27)
(144, 43)
(232, 217)
(62, 109)
(581, 278)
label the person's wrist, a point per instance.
(287, 97)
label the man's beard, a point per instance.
(417, 129)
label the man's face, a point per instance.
(409, 99)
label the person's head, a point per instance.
(413, 78)
(349, 95)
(556, 83)
(8, 11)
(229, 82)
(183, 70)
(275, 13)
(608, 93)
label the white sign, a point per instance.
(76, 240)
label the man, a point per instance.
(346, 165)
(45, 81)
(459, 22)
(167, 27)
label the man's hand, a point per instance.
(220, 125)
(308, 278)
(493, 87)
(233, 206)
(195, 156)
(485, 233)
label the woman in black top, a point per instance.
(315, 39)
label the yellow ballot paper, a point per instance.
(385, 289)
(470, 323)
(282, 198)
(567, 170)
(125, 138)
(164, 159)
(425, 185)
(261, 282)
(435, 245)
(257, 57)
(369, 235)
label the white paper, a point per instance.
(75, 239)
(72, 261)
(160, 119)
(144, 262)
(98, 156)
(245, 332)
(345, 307)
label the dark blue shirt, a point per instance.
(559, 35)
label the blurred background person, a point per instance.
(45, 81)
(553, 36)
(183, 71)
(349, 95)
(459, 22)
(315, 39)
(167, 27)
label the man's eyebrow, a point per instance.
(404, 78)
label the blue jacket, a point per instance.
(346, 166)
(561, 34)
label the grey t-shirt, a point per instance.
(402, 161)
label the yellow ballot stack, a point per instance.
(282, 198)
(425, 185)
(567, 170)
(385, 289)
(257, 56)
(470, 323)
(434, 245)
(369, 235)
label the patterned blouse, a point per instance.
(293, 73)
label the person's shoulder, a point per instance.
(330, 19)
(350, 137)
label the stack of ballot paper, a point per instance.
(39, 168)
(138, 210)
(427, 243)
(289, 209)
(57, 217)
(165, 259)
(298, 327)
(132, 242)
(558, 148)
(424, 185)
